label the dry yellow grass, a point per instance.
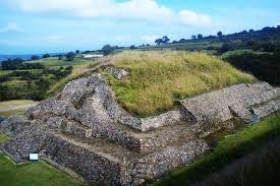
(158, 78)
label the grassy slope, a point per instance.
(228, 149)
(33, 175)
(157, 78)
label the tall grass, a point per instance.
(158, 78)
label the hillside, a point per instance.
(157, 79)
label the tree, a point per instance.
(46, 56)
(107, 49)
(11, 64)
(165, 39)
(225, 48)
(159, 41)
(251, 31)
(133, 47)
(193, 37)
(70, 56)
(60, 57)
(199, 36)
(34, 58)
(182, 40)
(77, 51)
(220, 34)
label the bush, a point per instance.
(70, 56)
(107, 49)
(46, 56)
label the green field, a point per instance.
(33, 174)
(228, 149)
(38, 84)
(54, 62)
(157, 79)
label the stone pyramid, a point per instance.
(84, 131)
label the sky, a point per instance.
(52, 26)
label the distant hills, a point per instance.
(24, 57)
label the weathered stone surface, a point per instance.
(25, 137)
(265, 110)
(236, 101)
(100, 169)
(85, 130)
(118, 73)
(156, 164)
(119, 165)
(169, 118)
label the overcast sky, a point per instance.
(46, 26)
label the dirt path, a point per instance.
(16, 107)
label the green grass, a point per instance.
(3, 138)
(228, 149)
(54, 62)
(242, 52)
(4, 72)
(197, 45)
(33, 174)
(158, 78)
(27, 85)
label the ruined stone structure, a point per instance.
(84, 130)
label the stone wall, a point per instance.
(243, 101)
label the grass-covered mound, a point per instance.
(156, 79)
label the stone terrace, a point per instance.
(84, 130)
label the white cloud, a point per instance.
(11, 27)
(146, 10)
(149, 38)
(195, 19)
(53, 39)
(123, 38)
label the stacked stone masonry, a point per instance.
(84, 130)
